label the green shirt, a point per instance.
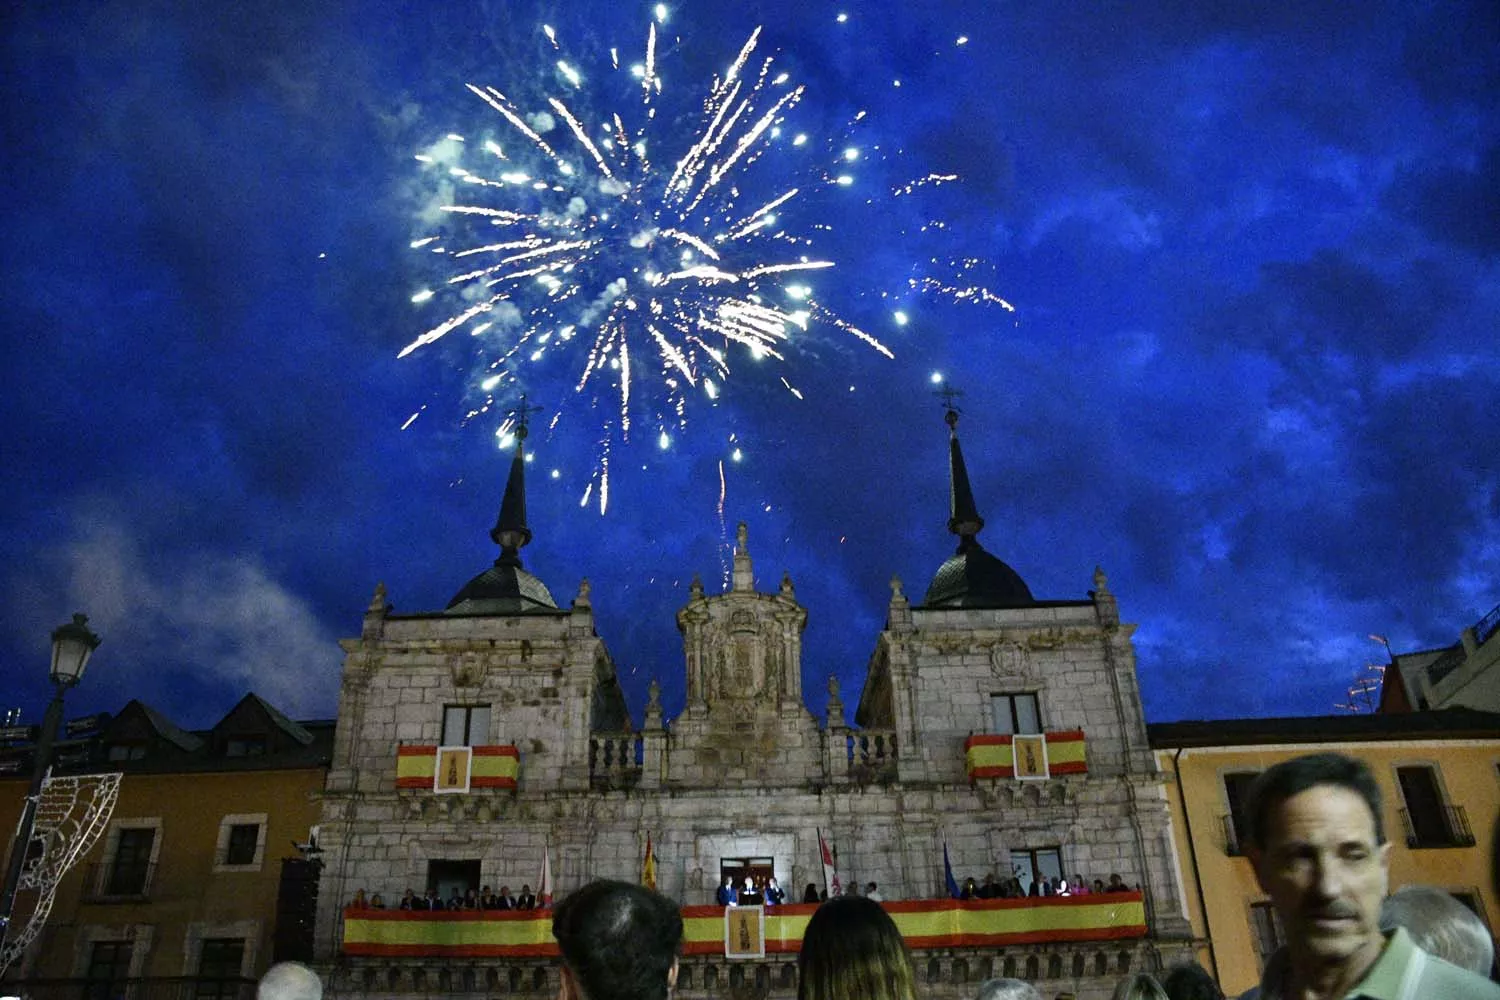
(1402, 972)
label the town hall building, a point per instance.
(477, 740)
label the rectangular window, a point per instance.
(220, 966)
(249, 746)
(108, 968)
(1236, 784)
(244, 838)
(1016, 714)
(1267, 928)
(1036, 865)
(130, 872)
(127, 751)
(466, 725)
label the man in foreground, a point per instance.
(619, 941)
(1319, 852)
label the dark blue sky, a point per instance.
(1253, 249)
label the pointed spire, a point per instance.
(510, 531)
(965, 521)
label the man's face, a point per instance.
(1324, 871)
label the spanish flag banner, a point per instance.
(648, 870)
(926, 924)
(489, 767)
(995, 756)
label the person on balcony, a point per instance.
(872, 891)
(409, 901)
(810, 894)
(775, 894)
(990, 889)
(526, 901)
(1116, 884)
(471, 900)
(728, 895)
(970, 889)
(376, 903)
(1080, 885)
(433, 900)
(504, 901)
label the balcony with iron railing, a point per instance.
(118, 882)
(1447, 827)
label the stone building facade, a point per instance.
(745, 778)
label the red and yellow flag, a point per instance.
(648, 869)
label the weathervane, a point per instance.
(521, 414)
(949, 394)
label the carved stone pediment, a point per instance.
(466, 669)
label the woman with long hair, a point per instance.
(853, 951)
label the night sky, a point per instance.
(1253, 369)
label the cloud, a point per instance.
(180, 620)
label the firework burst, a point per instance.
(652, 254)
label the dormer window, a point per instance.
(245, 746)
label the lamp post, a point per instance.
(72, 645)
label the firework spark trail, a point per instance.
(723, 529)
(593, 241)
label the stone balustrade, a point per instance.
(615, 760)
(872, 755)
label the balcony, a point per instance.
(925, 924)
(1041, 756)
(173, 988)
(615, 760)
(489, 767)
(118, 882)
(871, 755)
(1447, 827)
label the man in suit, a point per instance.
(526, 901)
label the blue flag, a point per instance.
(953, 889)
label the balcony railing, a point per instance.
(924, 923)
(872, 755)
(1231, 836)
(1448, 827)
(1027, 757)
(173, 988)
(615, 760)
(118, 882)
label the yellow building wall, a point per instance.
(1226, 886)
(184, 890)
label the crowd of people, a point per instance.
(481, 899)
(1014, 888)
(1315, 841)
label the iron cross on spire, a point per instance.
(949, 394)
(522, 414)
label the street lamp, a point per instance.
(72, 645)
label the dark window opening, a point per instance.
(132, 864)
(244, 838)
(446, 876)
(220, 963)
